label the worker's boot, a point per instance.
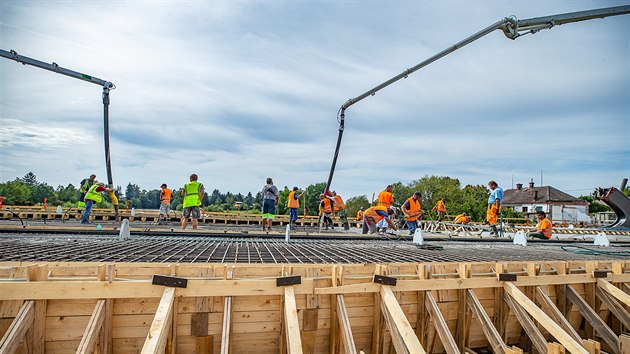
(494, 231)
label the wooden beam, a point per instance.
(292, 324)
(396, 340)
(90, 336)
(491, 333)
(227, 325)
(21, 323)
(614, 291)
(533, 333)
(550, 308)
(618, 310)
(38, 273)
(593, 318)
(450, 346)
(158, 332)
(107, 273)
(539, 316)
(347, 339)
(400, 325)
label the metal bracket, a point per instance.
(169, 281)
(507, 277)
(600, 273)
(381, 279)
(292, 280)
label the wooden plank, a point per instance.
(624, 343)
(199, 324)
(204, 345)
(155, 341)
(400, 324)
(292, 324)
(593, 318)
(614, 291)
(22, 322)
(491, 333)
(550, 309)
(38, 273)
(396, 339)
(533, 333)
(90, 336)
(347, 339)
(450, 346)
(618, 310)
(227, 325)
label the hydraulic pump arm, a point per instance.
(107, 86)
(511, 27)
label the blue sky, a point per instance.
(237, 91)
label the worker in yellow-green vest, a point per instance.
(84, 186)
(92, 197)
(193, 193)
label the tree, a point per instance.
(132, 191)
(30, 179)
(40, 191)
(594, 205)
(15, 193)
(311, 197)
(282, 201)
(355, 203)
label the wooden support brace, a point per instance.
(550, 308)
(158, 332)
(614, 291)
(539, 316)
(450, 346)
(292, 324)
(555, 348)
(227, 325)
(618, 310)
(347, 339)
(90, 336)
(593, 318)
(534, 334)
(399, 324)
(593, 347)
(491, 333)
(22, 322)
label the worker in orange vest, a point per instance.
(360, 214)
(340, 210)
(326, 210)
(413, 211)
(386, 198)
(166, 195)
(494, 206)
(543, 228)
(372, 216)
(461, 219)
(293, 203)
(440, 206)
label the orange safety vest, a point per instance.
(327, 207)
(359, 215)
(413, 213)
(339, 203)
(440, 206)
(545, 227)
(292, 202)
(461, 219)
(166, 196)
(385, 199)
(372, 214)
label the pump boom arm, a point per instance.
(511, 27)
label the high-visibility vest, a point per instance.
(339, 203)
(292, 202)
(440, 206)
(87, 183)
(191, 196)
(545, 227)
(166, 196)
(372, 214)
(385, 199)
(359, 215)
(413, 213)
(92, 194)
(461, 219)
(327, 207)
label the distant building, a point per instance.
(560, 207)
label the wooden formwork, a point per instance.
(508, 307)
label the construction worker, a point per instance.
(412, 211)
(461, 219)
(93, 196)
(326, 209)
(193, 193)
(543, 228)
(373, 215)
(84, 186)
(494, 206)
(440, 206)
(270, 199)
(293, 203)
(360, 214)
(386, 198)
(340, 210)
(166, 195)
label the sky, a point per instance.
(238, 91)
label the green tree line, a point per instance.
(471, 199)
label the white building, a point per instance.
(561, 208)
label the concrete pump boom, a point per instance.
(107, 86)
(511, 27)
